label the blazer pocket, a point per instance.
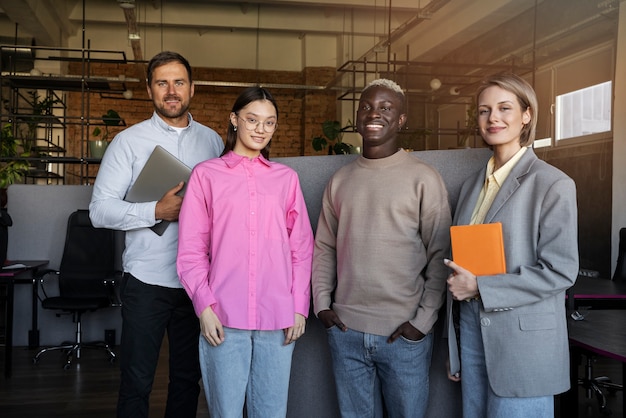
(537, 321)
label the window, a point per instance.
(584, 112)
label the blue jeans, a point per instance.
(369, 370)
(479, 400)
(249, 366)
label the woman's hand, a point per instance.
(211, 327)
(295, 332)
(461, 283)
(456, 377)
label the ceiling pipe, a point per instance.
(423, 14)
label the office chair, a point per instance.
(86, 280)
(595, 385)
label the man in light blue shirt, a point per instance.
(153, 300)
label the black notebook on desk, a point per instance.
(161, 172)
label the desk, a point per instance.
(602, 333)
(9, 277)
(597, 293)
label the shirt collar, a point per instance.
(503, 172)
(160, 122)
(232, 160)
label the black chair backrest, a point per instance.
(88, 258)
(620, 270)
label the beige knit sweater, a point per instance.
(381, 238)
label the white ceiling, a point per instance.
(455, 37)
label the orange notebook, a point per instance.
(479, 248)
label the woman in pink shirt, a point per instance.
(244, 257)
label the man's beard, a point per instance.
(163, 110)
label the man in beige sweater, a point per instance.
(378, 272)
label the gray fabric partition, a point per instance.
(39, 220)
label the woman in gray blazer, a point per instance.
(513, 331)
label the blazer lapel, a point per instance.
(511, 184)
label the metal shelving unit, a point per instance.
(23, 90)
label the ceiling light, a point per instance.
(126, 4)
(435, 84)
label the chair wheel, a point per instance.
(35, 360)
(66, 366)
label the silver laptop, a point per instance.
(161, 172)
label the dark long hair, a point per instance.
(249, 95)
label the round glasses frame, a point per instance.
(269, 126)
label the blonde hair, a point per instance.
(388, 84)
(526, 97)
(383, 82)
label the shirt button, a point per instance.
(252, 213)
(485, 322)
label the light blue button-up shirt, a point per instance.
(147, 256)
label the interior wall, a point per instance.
(590, 165)
(619, 137)
(213, 104)
(300, 114)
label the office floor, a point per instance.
(90, 389)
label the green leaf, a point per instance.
(111, 118)
(332, 129)
(319, 143)
(342, 148)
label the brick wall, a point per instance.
(301, 112)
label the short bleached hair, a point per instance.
(383, 82)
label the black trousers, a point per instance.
(149, 311)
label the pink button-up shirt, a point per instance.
(245, 243)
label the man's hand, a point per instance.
(330, 319)
(168, 207)
(408, 331)
(211, 327)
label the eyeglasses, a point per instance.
(269, 126)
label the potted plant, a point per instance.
(12, 168)
(99, 145)
(410, 140)
(331, 138)
(41, 109)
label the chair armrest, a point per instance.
(38, 278)
(40, 274)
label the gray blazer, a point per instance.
(523, 319)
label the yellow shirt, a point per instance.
(493, 182)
